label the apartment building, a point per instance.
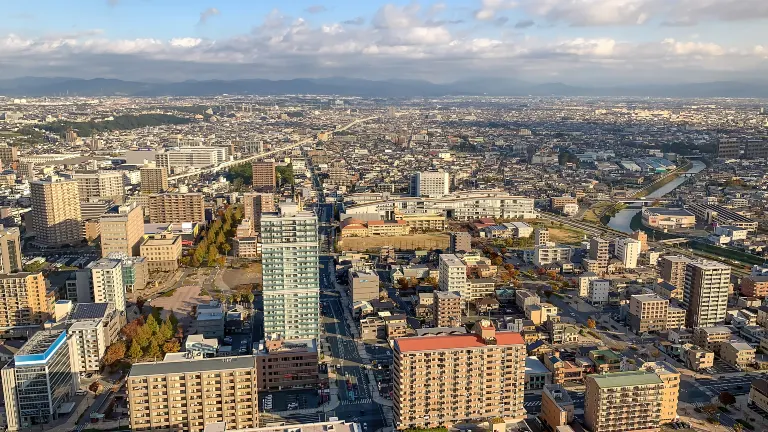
(628, 251)
(24, 300)
(482, 377)
(460, 242)
(755, 286)
(545, 255)
(93, 328)
(184, 158)
(452, 274)
(56, 212)
(557, 407)
(364, 286)
(758, 394)
(623, 402)
(711, 338)
(642, 237)
(541, 237)
(291, 277)
(162, 251)
(447, 308)
(648, 313)
(728, 148)
(122, 231)
(598, 251)
(670, 376)
(599, 290)
(672, 271)
(189, 393)
(106, 283)
(176, 208)
(675, 317)
(100, 184)
(737, 354)
(264, 175)
(38, 381)
(154, 179)
(254, 205)
(9, 154)
(705, 294)
(10, 250)
(285, 365)
(699, 359)
(431, 184)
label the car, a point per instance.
(80, 392)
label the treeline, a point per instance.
(123, 122)
(150, 338)
(213, 248)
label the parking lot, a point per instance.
(289, 400)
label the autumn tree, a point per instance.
(497, 260)
(115, 352)
(153, 351)
(726, 398)
(171, 346)
(135, 351)
(591, 323)
(129, 330)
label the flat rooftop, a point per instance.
(191, 366)
(669, 211)
(449, 342)
(625, 379)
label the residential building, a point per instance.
(9, 154)
(670, 376)
(10, 249)
(755, 286)
(154, 179)
(93, 327)
(480, 288)
(642, 237)
(583, 282)
(545, 255)
(628, 252)
(286, 365)
(209, 320)
(334, 425)
(122, 231)
(106, 283)
(100, 184)
(562, 370)
(758, 394)
(431, 184)
(648, 313)
(254, 205)
(598, 291)
(536, 374)
(728, 148)
(194, 392)
(737, 354)
(524, 298)
(557, 407)
(162, 251)
(447, 308)
(428, 396)
(38, 381)
(675, 318)
(176, 208)
(453, 275)
(705, 294)
(711, 338)
(460, 242)
(56, 212)
(699, 359)
(623, 402)
(291, 277)
(605, 360)
(246, 247)
(364, 286)
(372, 328)
(180, 159)
(264, 175)
(672, 271)
(541, 237)
(598, 251)
(24, 300)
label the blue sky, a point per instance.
(578, 41)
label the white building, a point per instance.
(544, 255)
(431, 184)
(94, 327)
(190, 157)
(705, 295)
(628, 251)
(598, 291)
(584, 280)
(453, 275)
(102, 282)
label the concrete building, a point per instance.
(460, 242)
(628, 252)
(670, 376)
(598, 251)
(209, 320)
(10, 250)
(431, 184)
(583, 282)
(429, 396)
(557, 408)
(183, 158)
(758, 394)
(254, 205)
(642, 237)
(648, 313)
(672, 271)
(452, 275)
(38, 381)
(24, 300)
(447, 308)
(705, 294)
(176, 208)
(264, 175)
(154, 179)
(162, 251)
(56, 212)
(364, 286)
(100, 184)
(666, 218)
(737, 354)
(291, 277)
(559, 203)
(699, 359)
(93, 328)
(106, 283)
(545, 255)
(285, 365)
(122, 231)
(755, 286)
(195, 392)
(540, 237)
(598, 291)
(728, 148)
(711, 338)
(623, 401)
(135, 271)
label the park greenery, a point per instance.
(123, 122)
(146, 338)
(214, 246)
(242, 175)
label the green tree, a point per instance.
(143, 336)
(173, 320)
(152, 324)
(212, 255)
(135, 351)
(204, 292)
(153, 351)
(166, 331)
(251, 297)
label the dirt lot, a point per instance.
(181, 303)
(235, 277)
(563, 234)
(422, 241)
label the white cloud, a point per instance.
(208, 14)
(489, 8)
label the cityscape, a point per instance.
(341, 243)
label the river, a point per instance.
(623, 218)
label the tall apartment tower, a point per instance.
(291, 278)
(154, 179)
(23, 300)
(705, 294)
(255, 204)
(100, 184)
(122, 231)
(461, 242)
(540, 237)
(105, 283)
(453, 275)
(432, 184)
(628, 251)
(445, 380)
(672, 270)
(176, 208)
(10, 250)
(195, 393)
(598, 251)
(670, 376)
(264, 175)
(447, 309)
(56, 212)
(623, 401)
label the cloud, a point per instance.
(524, 24)
(208, 14)
(489, 8)
(357, 21)
(316, 9)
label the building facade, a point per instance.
(56, 212)
(100, 184)
(176, 208)
(154, 179)
(10, 250)
(705, 294)
(24, 300)
(264, 175)
(431, 184)
(122, 231)
(162, 251)
(623, 402)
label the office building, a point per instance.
(135, 271)
(557, 408)
(209, 320)
(628, 251)
(38, 381)
(56, 212)
(100, 184)
(154, 179)
(648, 313)
(264, 175)
(738, 354)
(460, 242)
(431, 184)
(24, 300)
(598, 251)
(672, 271)
(291, 278)
(176, 208)
(623, 402)
(364, 286)
(705, 294)
(187, 394)
(10, 250)
(447, 309)
(93, 327)
(452, 275)
(122, 230)
(284, 365)
(462, 389)
(540, 237)
(162, 251)
(254, 205)
(756, 149)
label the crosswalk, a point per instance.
(357, 401)
(532, 403)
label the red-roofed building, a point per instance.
(450, 379)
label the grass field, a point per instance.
(563, 234)
(414, 241)
(594, 212)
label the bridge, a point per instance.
(225, 165)
(645, 201)
(674, 241)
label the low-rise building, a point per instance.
(666, 218)
(758, 394)
(605, 361)
(598, 291)
(755, 286)
(447, 309)
(372, 328)
(536, 374)
(737, 354)
(209, 320)
(710, 338)
(287, 364)
(162, 251)
(648, 313)
(364, 285)
(699, 359)
(557, 407)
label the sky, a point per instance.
(586, 42)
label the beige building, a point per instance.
(176, 208)
(648, 313)
(187, 394)
(122, 231)
(445, 380)
(264, 175)
(623, 402)
(56, 212)
(100, 184)
(94, 327)
(447, 309)
(672, 271)
(737, 354)
(758, 394)
(10, 250)
(598, 251)
(254, 205)
(710, 338)
(24, 300)
(284, 365)
(671, 393)
(423, 222)
(557, 408)
(705, 295)
(154, 179)
(388, 229)
(675, 318)
(162, 251)
(699, 359)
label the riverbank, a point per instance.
(660, 183)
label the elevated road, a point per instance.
(225, 165)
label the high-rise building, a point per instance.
(291, 278)
(176, 208)
(623, 401)
(672, 271)
(24, 300)
(540, 237)
(648, 313)
(264, 175)
(453, 275)
(154, 179)
(93, 327)
(598, 251)
(642, 237)
(461, 242)
(447, 309)
(254, 205)
(628, 251)
(56, 212)
(122, 230)
(479, 377)
(100, 184)
(705, 295)
(38, 381)
(27, 171)
(728, 148)
(182, 393)
(432, 184)
(10, 250)
(671, 393)
(105, 279)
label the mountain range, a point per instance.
(36, 86)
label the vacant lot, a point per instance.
(596, 211)
(415, 241)
(235, 277)
(562, 233)
(181, 302)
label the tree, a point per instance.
(166, 331)
(173, 320)
(143, 336)
(709, 409)
(737, 427)
(153, 351)
(204, 292)
(726, 398)
(135, 351)
(172, 346)
(213, 253)
(250, 297)
(547, 293)
(497, 260)
(132, 328)
(115, 352)
(431, 281)
(402, 283)
(140, 302)
(591, 323)
(152, 324)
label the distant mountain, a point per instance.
(34, 86)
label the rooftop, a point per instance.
(192, 366)
(437, 343)
(625, 379)
(85, 311)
